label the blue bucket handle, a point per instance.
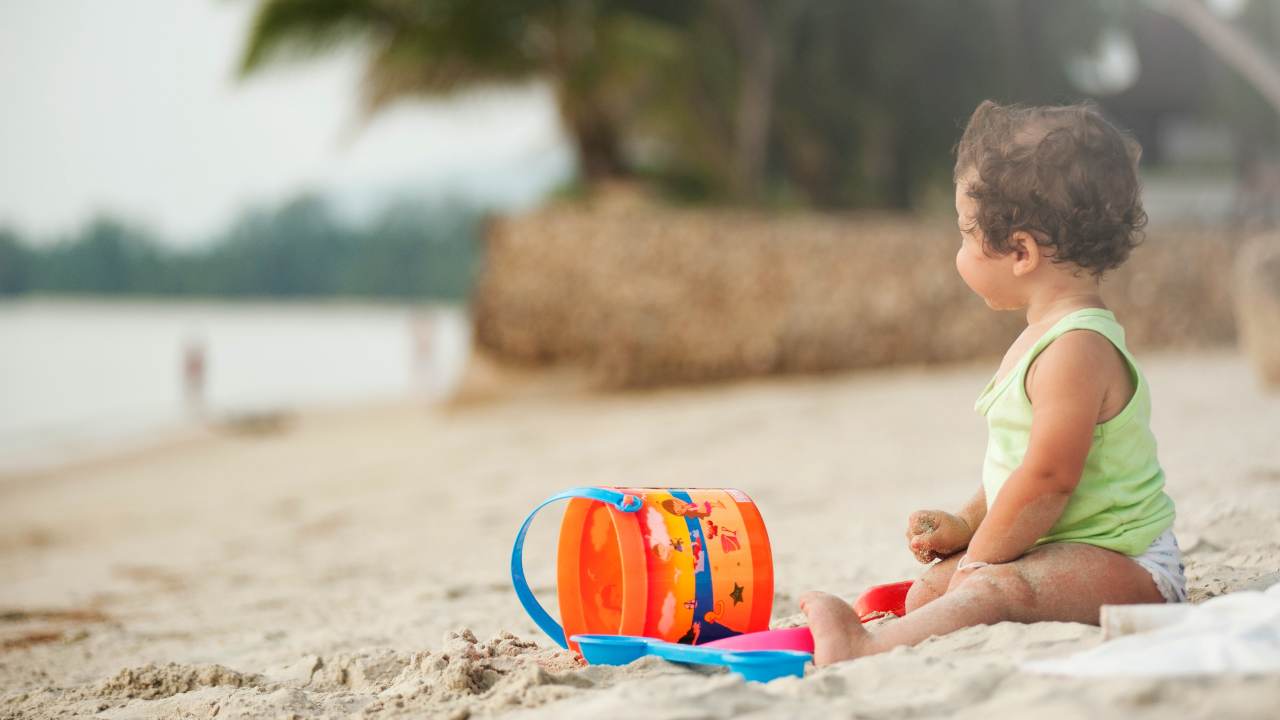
(619, 500)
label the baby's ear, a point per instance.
(1026, 253)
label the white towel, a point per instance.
(1235, 633)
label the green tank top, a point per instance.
(1120, 503)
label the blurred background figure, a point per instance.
(193, 376)
(669, 186)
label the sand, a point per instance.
(355, 564)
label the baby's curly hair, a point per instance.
(1063, 174)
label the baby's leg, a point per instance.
(1062, 581)
(933, 583)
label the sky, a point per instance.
(133, 108)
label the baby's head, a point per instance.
(1056, 183)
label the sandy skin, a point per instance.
(1045, 584)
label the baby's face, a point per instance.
(991, 278)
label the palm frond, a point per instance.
(307, 28)
(400, 70)
(416, 47)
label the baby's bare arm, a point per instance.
(975, 510)
(1066, 394)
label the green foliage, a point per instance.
(15, 264)
(417, 47)
(856, 102)
(297, 250)
(423, 46)
(870, 96)
(106, 257)
(398, 260)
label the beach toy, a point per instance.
(881, 600)
(875, 603)
(756, 666)
(797, 639)
(684, 566)
(757, 656)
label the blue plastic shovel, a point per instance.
(754, 665)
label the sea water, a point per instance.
(81, 376)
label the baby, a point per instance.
(1071, 514)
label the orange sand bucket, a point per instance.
(688, 566)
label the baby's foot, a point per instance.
(837, 632)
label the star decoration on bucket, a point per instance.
(737, 593)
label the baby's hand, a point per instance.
(932, 534)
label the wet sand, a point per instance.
(355, 563)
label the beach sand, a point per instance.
(355, 563)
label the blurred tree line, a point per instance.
(300, 249)
(818, 103)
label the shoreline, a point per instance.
(83, 379)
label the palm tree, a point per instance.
(587, 49)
